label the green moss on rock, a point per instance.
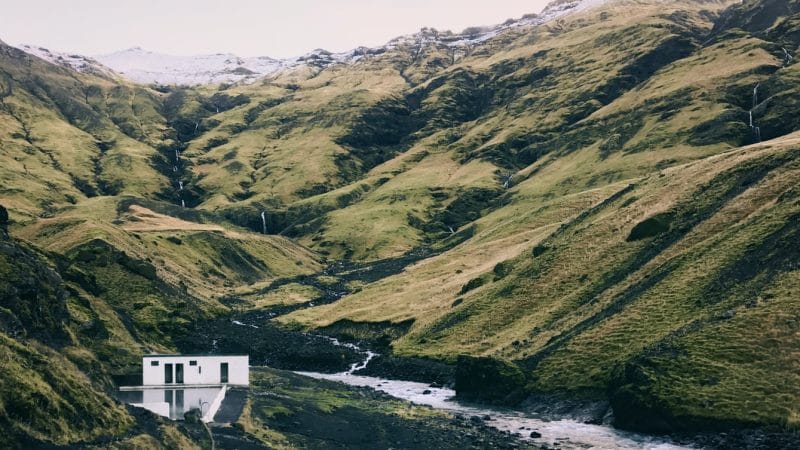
(489, 379)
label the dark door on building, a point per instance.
(179, 373)
(167, 373)
(223, 373)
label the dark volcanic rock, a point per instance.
(192, 416)
(267, 344)
(489, 379)
(355, 423)
(592, 409)
(410, 369)
(767, 438)
(3, 219)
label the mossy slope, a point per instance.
(597, 205)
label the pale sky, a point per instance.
(278, 28)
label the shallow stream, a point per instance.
(566, 434)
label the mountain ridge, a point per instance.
(144, 66)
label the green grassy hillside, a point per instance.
(605, 203)
(54, 390)
(619, 270)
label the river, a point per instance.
(566, 434)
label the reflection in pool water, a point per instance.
(172, 403)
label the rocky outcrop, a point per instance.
(3, 219)
(32, 295)
(756, 16)
(489, 379)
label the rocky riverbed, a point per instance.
(361, 381)
(536, 430)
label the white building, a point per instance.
(195, 370)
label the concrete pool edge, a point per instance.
(214, 406)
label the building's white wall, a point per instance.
(207, 370)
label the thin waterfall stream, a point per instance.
(264, 222)
(756, 129)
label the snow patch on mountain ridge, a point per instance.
(150, 67)
(80, 63)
